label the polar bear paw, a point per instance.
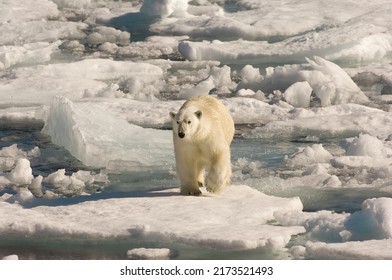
(190, 191)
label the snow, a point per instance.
(102, 76)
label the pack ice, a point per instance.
(76, 67)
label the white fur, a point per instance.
(202, 133)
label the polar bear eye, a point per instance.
(189, 122)
(178, 122)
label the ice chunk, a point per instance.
(100, 139)
(244, 168)
(332, 84)
(27, 11)
(11, 257)
(364, 151)
(355, 162)
(364, 250)
(22, 173)
(322, 225)
(8, 156)
(26, 54)
(164, 216)
(325, 42)
(23, 197)
(36, 186)
(374, 221)
(219, 80)
(250, 77)
(371, 48)
(322, 122)
(309, 155)
(68, 184)
(298, 94)
(165, 8)
(103, 34)
(75, 4)
(367, 145)
(202, 88)
(11, 156)
(40, 31)
(149, 254)
(381, 208)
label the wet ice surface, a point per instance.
(86, 159)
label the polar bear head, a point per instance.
(186, 122)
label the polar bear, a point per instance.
(202, 133)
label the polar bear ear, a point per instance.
(172, 115)
(198, 114)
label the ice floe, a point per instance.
(162, 215)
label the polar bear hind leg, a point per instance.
(219, 174)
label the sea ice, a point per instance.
(11, 257)
(149, 254)
(22, 173)
(33, 53)
(364, 234)
(298, 94)
(309, 155)
(368, 231)
(353, 119)
(76, 4)
(365, 250)
(39, 84)
(40, 31)
(164, 216)
(100, 139)
(27, 11)
(103, 34)
(331, 84)
(164, 8)
(67, 57)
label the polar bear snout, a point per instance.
(181, 134)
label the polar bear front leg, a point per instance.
(219, 173)
(189, 188)
(188, 173)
